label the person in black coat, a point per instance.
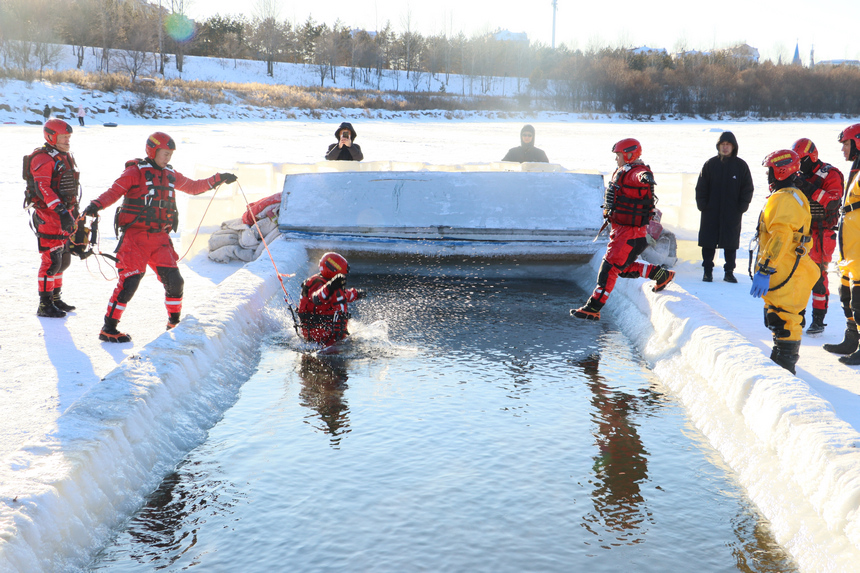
(345, 149)
(526, 152)
(723, 194)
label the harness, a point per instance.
(335, 324)
(157, 209)
(799, 238)
(631, 205)
(65, 179)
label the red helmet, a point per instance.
(784, 163)
(851, 133)
(805, 148)
(333, 264)
(55, 127)
(629, 148)
(158, 140)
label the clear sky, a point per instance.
(773, 27)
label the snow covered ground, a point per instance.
(87, 428)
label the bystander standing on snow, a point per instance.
(82, 113)
(723, 194)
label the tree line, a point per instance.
(140, 38)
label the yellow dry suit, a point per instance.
(784, 244)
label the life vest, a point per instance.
(323, 321)
(629, 198)
(157, 209)
(65, 179)
(821, 217)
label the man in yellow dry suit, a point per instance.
(848, 241)
(785, 274)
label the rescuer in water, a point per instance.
(323, 308)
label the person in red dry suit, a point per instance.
(628, 206)
(323, 310)
(52, 178)
(822, 184)
(147, 214)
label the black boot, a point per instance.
(708, 276)
(849, 345)
(852, 359)
(661, 277)
(47, 308)
(58, 302)
(786, 353)
(109, 333)
(817, 326)
(172, 320)
(589, 311)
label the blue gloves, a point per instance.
(761, 284)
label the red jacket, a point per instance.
(324, 314)
(137, 210)
(828, 183)
(55, 175)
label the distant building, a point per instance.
(646, 51)
(855, 63)
(508, 36)
(795, 61)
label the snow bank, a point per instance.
(116, 443)
(797, 460)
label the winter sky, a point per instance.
(772, 27)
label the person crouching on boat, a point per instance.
(323, 309)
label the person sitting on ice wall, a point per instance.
(526, 150)
(849, 250)
(147, 214)
(345, 149)
(785, 273)
(323, 308)
(628, 206)
(822, 184)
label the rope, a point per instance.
(278, 273)
(200, 223)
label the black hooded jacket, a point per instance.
(723, 194)
(526, 152)
(345, 153)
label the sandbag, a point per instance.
(248, 239)
(231, 253)
(222, 239)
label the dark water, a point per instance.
(488, 431)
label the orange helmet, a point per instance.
(158, 140)
(805, 148)
(629, 148)
(333, 264)
(784, 163)
(55, 127)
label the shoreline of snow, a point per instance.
(115, 444)
(796, 459)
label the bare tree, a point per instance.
(46, 52)
(267, 35)
(133, 60)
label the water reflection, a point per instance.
(165, 530)
(621, 465)
(323, 387)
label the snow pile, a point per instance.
(115, 444)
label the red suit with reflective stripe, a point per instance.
(629, 205)
(324, 314)
(54, 182)
(148, 213)
(826, 188)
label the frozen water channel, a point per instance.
(451, 442)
